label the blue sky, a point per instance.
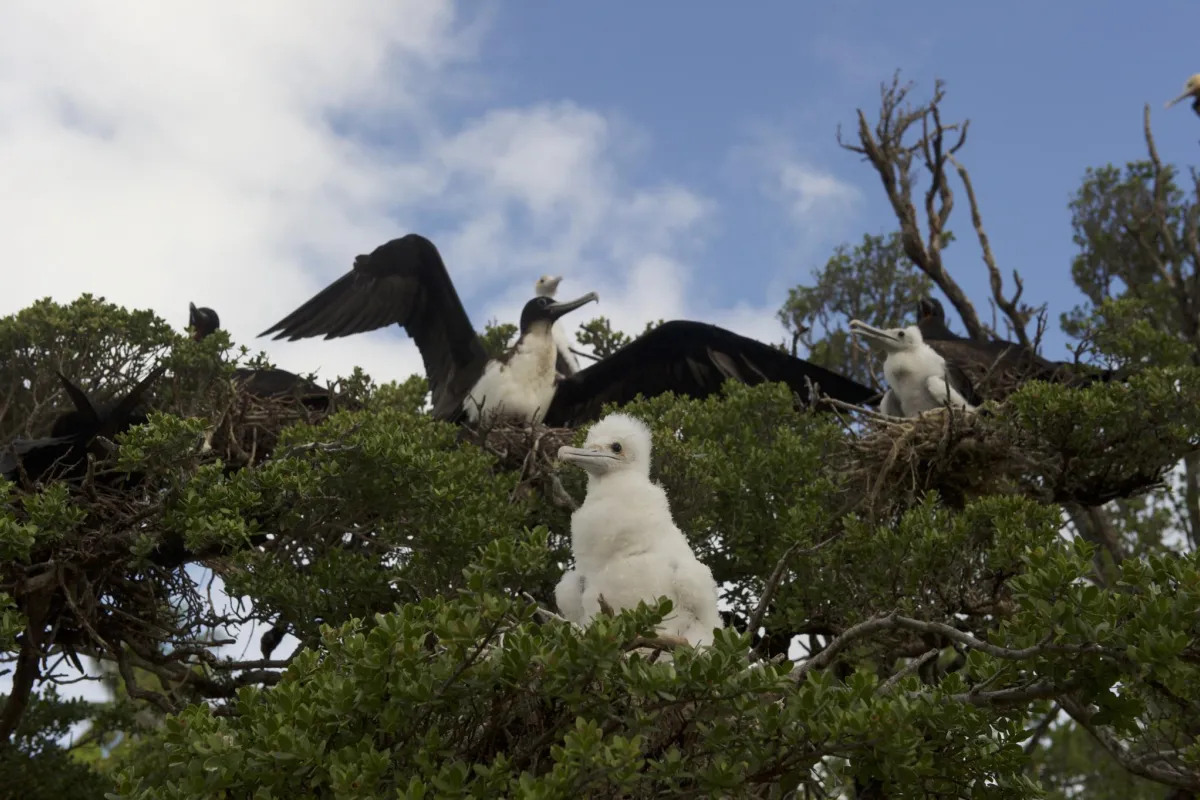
(1050, 90)
(678, 157)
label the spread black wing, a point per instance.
(997, 367)
(403, 282)
(692, 359)
(74, 432)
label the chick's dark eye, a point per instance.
(616, 448)
(900, 334)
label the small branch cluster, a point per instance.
(893, 158)
(529, 450)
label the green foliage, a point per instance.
(918, 643)
(874, 281)
(36, 765)
(598, 334)
(498, 337)
(1123, 244)
(89, 341)
(462, 696)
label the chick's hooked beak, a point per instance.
(592, 458)
(871, 332)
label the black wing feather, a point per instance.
(692, 359)
(74, 432)
(403, 282)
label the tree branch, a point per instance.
(1144, 765)
(1017, 317)
(892, 159)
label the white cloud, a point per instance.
(812, 193)
(815, 203)
(218, 157)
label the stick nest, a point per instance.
(248, 426)
(893, 462)
(528, 450)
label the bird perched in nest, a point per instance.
(1191, 88)
(273, 382)
(568, 364)
(627, 548)
(919, 379)
(75, 434)
(405, 282)
(996, 368)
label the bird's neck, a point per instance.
(537, 344)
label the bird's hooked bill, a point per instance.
(870, 331)
(194, 321)
(561, 309)
(1179, 99)
(583, 455)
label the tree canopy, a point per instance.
(1004, 604)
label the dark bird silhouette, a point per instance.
(996, 368)
(259, 382)
(692, 359)
(1191, 88)
(404, 282)
(75, 433)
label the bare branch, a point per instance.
(885, 149)
(1018, 317)
(893, 621)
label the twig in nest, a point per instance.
(585, 355)
(869, 413)
(560, 495)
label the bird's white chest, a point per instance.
(907, 375)
(520, 388)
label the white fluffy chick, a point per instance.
(626, 546)
(919, 379)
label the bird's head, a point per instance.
(547, 285)
(202, 321)
(891, 340)
(930, 308)
(616, 443)
(1191, 88)
(543, 311)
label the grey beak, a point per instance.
(870, 331)
(580, 455)
(558, 310)
(1179, 99)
